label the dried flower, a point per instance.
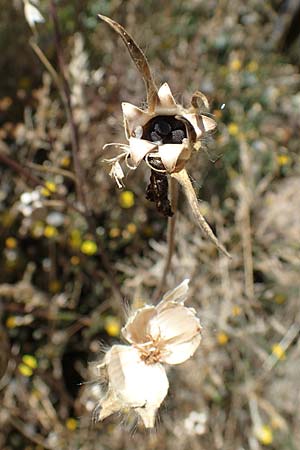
(164, 135)
(168, 333)
(32, 14)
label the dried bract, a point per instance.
(168, 333)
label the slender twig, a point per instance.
(51, 169)
(68, 106)
(184, 180)
(22, 171)
(170, 238)
(21, 427)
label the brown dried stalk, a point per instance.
(184, 180)
(139, 59)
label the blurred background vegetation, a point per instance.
(66, 274)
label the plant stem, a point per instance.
(170, 238)
(184, 180)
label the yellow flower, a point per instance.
(278, 351)
(283, 160)
(50, 231)
(252, 66)
(71, 423)
(131, 228)
(75, 260)
(126, 199)
(236, 311)
(222, 338)
(233, 129)
(30, 361)
(11, 243)
(25, 370)
(48, 189)
(89, 247)
(235, 65)
(11, 322)
(112, 326)
(264, 434)
(54, 286)
(114, 232)
(75, 238)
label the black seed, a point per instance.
(155, 136)
(162, 127)
(177, 136)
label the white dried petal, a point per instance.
(139, 148)
(117, 173)
(134, 116)
(137, 326)
(132, 383)
(170, 154)
(178, 295)
(32, 14)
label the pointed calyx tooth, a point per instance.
(134, 116)
(166, 99)
(139, 59)
(195, 100)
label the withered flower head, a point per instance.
(164, 135)
(168, 333)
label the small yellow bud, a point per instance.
(71, 424)
(252, 66)
(75, 238)
(54, 286)
(11, 322)
(233, 129)
(75, 260)
(25, 370)
(236, 311)
(112, 326)
(65, 162)
(114, 232)
(30, 361)
(48, 189)
(235, 65)
(50, 232)
(131, 228)
(283, 160)
(222, 338)
(89, 247)
(126, 199)
(264, 434)
(11, 243)
(278, 351)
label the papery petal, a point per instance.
(177, 353)
(178, 295)
(134, 116)
(137, 326)
(133, 382)
(32, 14)
(176, 324)
(200, 123)
(170, 154)
(139, 149)
(166, 99)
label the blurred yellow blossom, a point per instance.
(65, 161)
(283, 160)
(114, 232)
(278, 351)
(126, 199)
(75, 238)
(131, 228)
(112, 326)
(11, 322)
(222, 338)
(50, 232)
(280, 298)
(89, 247)
(25, 370)
(252, 66)
(235, 65)
(233, 129)
(30, 361)
(71, 423)
(264, 434)
(11, 242)
(54, 286)
(75, 260)
(48, 189)
(236, 310)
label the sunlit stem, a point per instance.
(184, 180)
(173, 186)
